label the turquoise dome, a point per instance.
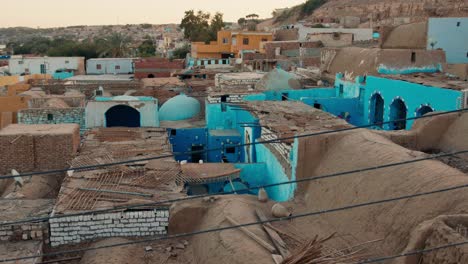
(178, 108)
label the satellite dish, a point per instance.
(18, 180)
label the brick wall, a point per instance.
(37, 231)
(28, 152)
(158, 67)
(333, 39)
(287, 34)
(77, 229)
(33, 116)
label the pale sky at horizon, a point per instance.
(59, 13)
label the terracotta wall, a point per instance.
(9, 106)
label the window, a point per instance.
(173, 132)
(284, 97)
(98, 66)
(50, 117)
(43, 69)
(225, 41)
(98, 93)
(245, 41)
(67, 62)
(117, 67)
(20, 62)
(264, 40)
(458, 23)
(317, 106)
(413, 56)
(341, 90)
(231, 150)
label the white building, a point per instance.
(110, 66)
(20, 65)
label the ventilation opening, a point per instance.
(231, 150)
(413, 57)
(284, 97)
(173, 132)
(224, 98)
(50, 117)
(458, 23)
(150, 75)
(198, 153)
(317, 106)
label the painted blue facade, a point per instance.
(187, 140)
(451, 35)
(62, 75)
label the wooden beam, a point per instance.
(253, 236)
(116, 192)
(279, 243)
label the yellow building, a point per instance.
(230, 44)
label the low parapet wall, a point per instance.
(77, 229)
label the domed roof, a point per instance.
(279, 79)
(178, 108)
(55, 103)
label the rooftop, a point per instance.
(53, 129)
(440, 80)
(289, 118)
(105, 77)
(141, 182)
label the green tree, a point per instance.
(242, 22)
(198, 27)
(147, 48)
(114, 46)
(310, 5)
(216, 25)
(181, 53)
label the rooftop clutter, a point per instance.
(279, 79)
(179, 108)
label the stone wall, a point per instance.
(27, 231)
(77, 229)
(52, 116)
(237, 80)
(271, 48)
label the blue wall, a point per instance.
(413, 95)
(451, 35)
(182, 141)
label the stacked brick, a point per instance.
(37, 232)
(157, 67)
(52, 116)
(25, 149)
(77, 229)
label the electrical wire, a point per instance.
(272, 141)
(309, 214)
(321, 177)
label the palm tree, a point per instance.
(114, 46)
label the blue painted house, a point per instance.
(451, 35)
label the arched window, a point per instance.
(377, 110)
(398, 113)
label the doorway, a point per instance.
(398, 113)
(377, 110)
(122, 116)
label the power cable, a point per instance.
(272, 141)
(333, 175)
(321, 212)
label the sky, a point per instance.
(59, 13)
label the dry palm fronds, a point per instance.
(314, 252)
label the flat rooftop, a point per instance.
(289, 118)
(53, 129)
(440, 80)
(136, 183)
(104, 77)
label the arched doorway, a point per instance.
(122, 116)
(398, 112)
(377, 110)
(424, 109)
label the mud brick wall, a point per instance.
(38, 231)
(157, 67)
(55, 151)
(26, 153)
(58, 116)
(16, 152)
(77, 229)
